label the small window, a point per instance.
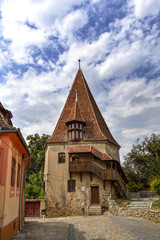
(72, 125)
(13, 171)
(113, 165)
(80, 134)
(69, 135)
(72, 134)
(80, 126)
(61, 157)
(71, 185)
(18, 175)
(76, 134)
(76, 125)
(108, 165)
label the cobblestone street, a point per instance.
(90, 228)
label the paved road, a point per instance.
(90, 228)
(140, 228)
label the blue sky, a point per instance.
(118, 43)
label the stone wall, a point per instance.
(135, 212)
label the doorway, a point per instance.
(95, 195)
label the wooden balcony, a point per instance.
(104, 174)
(89, 166)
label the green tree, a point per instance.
(35, 172)
(155, 186)
(35, 186)
(142, 164)
(36, 145)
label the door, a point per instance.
(32, 209)
(95, 195)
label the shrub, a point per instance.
(155, 186)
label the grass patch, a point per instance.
(156, 204)
(123, 202)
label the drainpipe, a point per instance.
(23, 177)
(24, 200)
(20, 197)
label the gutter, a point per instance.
(17, 130)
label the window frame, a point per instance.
(61, 157)
(13, 172)
(75, 131)
(18, 175)
(71, 185)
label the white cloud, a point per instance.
(144, 8)
(109, 59)
(132, 110)
(71, 23)
(29, 23)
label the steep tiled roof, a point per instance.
(76, 114)
(90, 149)
(96, 128)
(5, 118)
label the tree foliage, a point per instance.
(35, 182)
(155, 186)
(35, 186)
(36, 145)
(142, 164)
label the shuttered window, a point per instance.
(18, 175)
(13, 171)
(71, 185)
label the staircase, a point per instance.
(94, 210)
(141, 202)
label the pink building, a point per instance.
(14, 158)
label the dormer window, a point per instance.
(75, 122)
(75, 131)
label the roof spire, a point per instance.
(76, 96)
(79, 60)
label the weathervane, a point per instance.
(79, 63)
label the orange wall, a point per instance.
(10, 195)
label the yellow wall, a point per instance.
(57, 176)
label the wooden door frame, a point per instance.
(95, 186)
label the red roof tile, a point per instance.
(75, 114)
(91, 149)
(96, 127)
(5, 118)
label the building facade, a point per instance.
(14, 157)
(82, 166)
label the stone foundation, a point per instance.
(135, 212)
(78, 203)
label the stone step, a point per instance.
(140, 204)
(95, 210)
(145, 199)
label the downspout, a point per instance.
(20, 198)
(24, 200)
(23, 177)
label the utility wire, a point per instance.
(10, 148)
